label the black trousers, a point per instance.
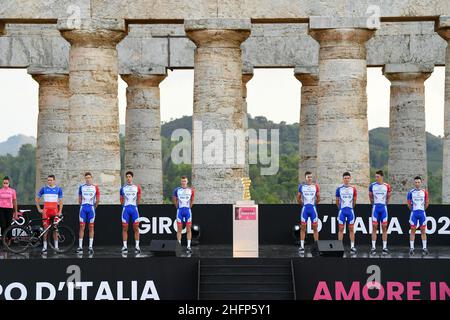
(5, 218)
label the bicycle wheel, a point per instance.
(66, 238)
(17, 239)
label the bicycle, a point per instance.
(21, 235)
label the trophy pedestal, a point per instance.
(245, 229)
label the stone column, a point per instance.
(218, 108)
(94, 116)
(53, 119)
(343, 138)
(407, 138)
(143, 153)
(443, 28)
(309, 78)
(247, 75)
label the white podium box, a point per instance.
(245, 229)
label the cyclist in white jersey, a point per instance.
(308, 196)
(346, 195)
(418, 201)
(88, 198)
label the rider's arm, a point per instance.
(388, 196)
(317, 194)
(427, 199)
(80, 196)
(355, 196)
(175, 201)
(299, 195)
(15, 202)
(299, 198)
(15, 207)
(121, 196)
(409, 200)
(38, 199)
(175, 198)
(371, 194)
(139, 194)
(338, 197)
(97, 196)
(60, 201)
(192, 196)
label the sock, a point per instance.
(179, 241)
(302, 243)
(189, 243)
(424, 244)
(352, 244)
(137, 243)
(91, 242)
(56, 244)
(411, 244)
(374, 243)
(80, 243)
(384, 244)
(45, 244)
(124, 244)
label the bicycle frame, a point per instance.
(29, 223)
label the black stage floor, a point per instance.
(225, 251)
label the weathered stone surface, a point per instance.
(143, 134)
(53, 120)
(247, 75)
(217, 105)
(334, 21)
(93, 143)
(309, 78)
(269, 45)
(177, 10)
(443, 28)
(35, 10)
(343, 140)
(407, 139)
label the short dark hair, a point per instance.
(184, 177)
(88, 174)
(51, 176)
(129, 173)
(380, 172)
(6, 178)
(307, 172)
(346, 174)
(418, 178)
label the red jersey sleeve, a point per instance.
(139, 193)
(97, 192)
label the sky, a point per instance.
(273, 93)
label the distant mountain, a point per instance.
(13, 144)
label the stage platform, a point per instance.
(211, 273)
(225, 251)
